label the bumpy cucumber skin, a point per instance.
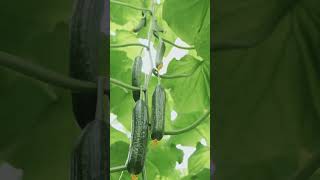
(160, 53)
(139, 138)
(136, 76)
(90, 155)
(85, 39)
(158, 113)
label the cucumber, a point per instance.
(136, 76)
(85, 41)
(142, 23)
(160, 52)
(139, 138)
(90, 159)
(158, 113)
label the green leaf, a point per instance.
(202, 40)
(204, 174)
(119, 153)
(192, 137)
(30, 151)
(43, 110)
(121, 101)
(266, 96)
(195, 87)
(126, 37)
(199, 159)
(122, 15)
(116, 136)
(185, 18)
(41, 17)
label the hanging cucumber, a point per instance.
(139, 137)
(136, 77)
(160, 52)
(90, 155)
(158, 113)
(142, 24)
(85, 41)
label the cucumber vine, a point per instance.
(154, 32)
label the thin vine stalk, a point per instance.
(188, 128)
(149, 44)
(130, 6)
(40, 73)
(118, 168)
(124, 85)
(174, 76)
(128, 45)
(174, 44)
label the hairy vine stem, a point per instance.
(173, 44)
(124, 85)
(27, 68)
(128, 45)
(192, 126)
(118, 168)
(130, 6)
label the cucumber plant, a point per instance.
(89, 156)
(148, 118)
(85, 38)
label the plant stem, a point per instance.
(144, 173)
(173, 44)
(127, 45)
(130, 6)
(309, 168)
(124, 85)
(149, 44)
(186, 129)
(100, 109)
(35, 71)
(172, 76)
(118, 168)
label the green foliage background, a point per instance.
(189, 97)
(266, 98)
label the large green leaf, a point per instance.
(266, 97)
(190, 93)
(123, 15)
(42, 144)
(38, 115)
(199, 159)
(185, 18)
(121, 101)
(119, 154)
(22, 19)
